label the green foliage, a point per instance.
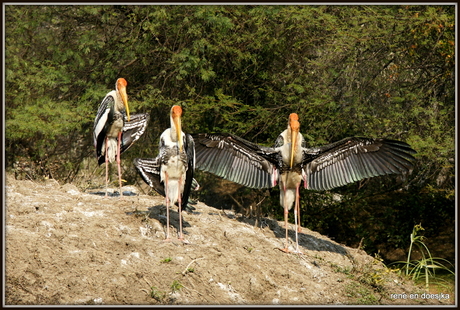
(377, 214)
(358, 70)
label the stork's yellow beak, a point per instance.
(176, 113)
(295, 128)
(121, 87)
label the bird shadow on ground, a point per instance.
(113, 194)
(306, 240)
(158, 213)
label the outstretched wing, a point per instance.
(133, 130)
(149, 169)
(189, 146)
(235, 159)
(353, 159)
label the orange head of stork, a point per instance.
(176, 113)
(120, 86)
(294, 126)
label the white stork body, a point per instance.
(114, 131)
(289, 180)
(290, 161)
(174, 165)
(109, 121)
(171, 172)
(289, 147)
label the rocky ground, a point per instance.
(67, 247)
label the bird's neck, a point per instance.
(119, 103)
(288, 135)
(173, 131)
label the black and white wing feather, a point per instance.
(149, 169)
(103, 121)
(353, 159)
(133, 130)
(235, 159)
(189, 146)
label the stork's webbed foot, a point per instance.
(184, 241)
(286, 250)
(298, 252)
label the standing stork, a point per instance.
(171, 172)
(114, 130)
(290, 161)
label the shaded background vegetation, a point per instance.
(364, 70)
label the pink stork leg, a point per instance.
(286, 214)
(297, 215)
(106, 165)
(181, 235)
(179, 202)
(299, 228)
(167, 208)
(119, 162)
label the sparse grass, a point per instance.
(190, 270)
(166, 260)
(365, 284)
(361, 294)
(345, 270)
(176, 286)
(444, 282)
(373, 277)
(425, 268)
(157, 294)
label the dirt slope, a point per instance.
(64, 246)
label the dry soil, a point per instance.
(68, 247)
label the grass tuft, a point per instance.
(426, 267)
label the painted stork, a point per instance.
(114, 130)
(171, 172)
(290, 161)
